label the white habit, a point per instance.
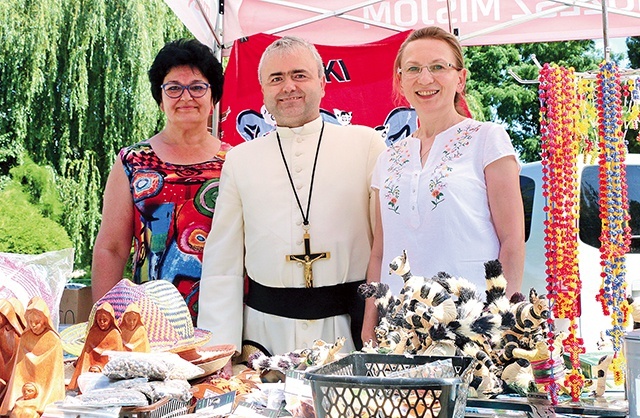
(257, 223)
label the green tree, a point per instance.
(510, 102)
(633, 51)
(17, 222)
(633, 54)
(75, 90)
(39, 183)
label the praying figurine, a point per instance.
(11, 328)
(26, 406)
(39, 361)
(134, 333)
(104, 335)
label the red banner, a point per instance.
(358, 90)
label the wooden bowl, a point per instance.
(210, 359)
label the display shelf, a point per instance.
(607, 406)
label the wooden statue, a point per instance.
(134, 333)
(11, 328)
(104, 335)
(39, 361)
(26, 406)
(18, 307)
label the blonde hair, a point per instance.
(437, 33)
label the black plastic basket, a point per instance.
(357, 386)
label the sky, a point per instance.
(617, 45)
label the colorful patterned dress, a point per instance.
(174, 206)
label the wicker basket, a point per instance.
(357, 386)
(164, 408)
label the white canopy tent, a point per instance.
(352, 22)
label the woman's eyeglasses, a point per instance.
(176, 90)
(436, 69)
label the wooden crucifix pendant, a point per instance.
(307, 259)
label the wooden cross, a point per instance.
(307, 259)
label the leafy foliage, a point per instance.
(80, 187)
(633, 51)
(10, 155)
(512, 103)
(75, 90)
(39, 184)
(23, 228)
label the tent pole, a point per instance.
(449, 15)
(605, 29)
(217, 31)
(209, 25)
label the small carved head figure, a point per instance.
(38, 316)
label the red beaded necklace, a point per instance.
(560, 149)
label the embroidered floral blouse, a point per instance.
(440, 213)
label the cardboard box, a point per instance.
(75, 305)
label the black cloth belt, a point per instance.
(310, 303)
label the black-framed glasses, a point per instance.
(176, 90)
(436, 69)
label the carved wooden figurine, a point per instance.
(104, 335)
(26, 406)
(38, 360)
(18, 307)
(11, 329)
(134, 333)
